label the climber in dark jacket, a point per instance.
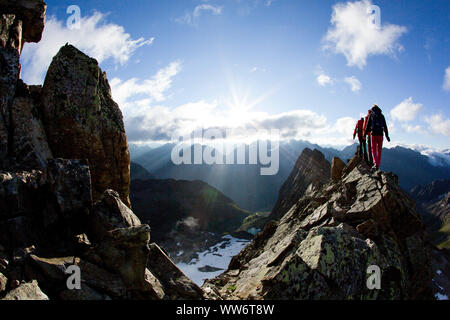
(359, 129)
(368, 138)
(376, 126)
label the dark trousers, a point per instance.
(362, 148)
(369, 143)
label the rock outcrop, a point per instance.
(26, 291)
(83, 122)
(310, 172)
(20, 21)
(337, 168)
(64, 181)
(324, 244)
(31, 13)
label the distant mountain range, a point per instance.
(138, 172)
(251, 191)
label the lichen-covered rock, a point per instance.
(26, 291)
(323, 246)
(83, 122)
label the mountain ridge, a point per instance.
(261, 194)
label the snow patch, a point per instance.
(215, 256)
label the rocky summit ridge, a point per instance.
(324, 244)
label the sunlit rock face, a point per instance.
(324, 244)
(310, 171)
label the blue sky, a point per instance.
(282, 64)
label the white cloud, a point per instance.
(345, 125)
(150, 90)
(189, 18)
(413, 129)
(96, 38)
(446, 85)
(206, 7)
(406, 111)
(147, 120)
(438, 124)
(354, 83)
(354, 34)
(323, 80)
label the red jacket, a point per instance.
(359, 129)
(366, 121)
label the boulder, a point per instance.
(111, 213)
(3, 282)
(83, 122)
(101, 280)
(174, 282)
(26, 291)
(125, 251)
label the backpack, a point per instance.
(377, 124)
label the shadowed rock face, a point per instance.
(311, 170)
(32, 15)
(62, 148)
(83, 122)
(323, 245)
(20, 21)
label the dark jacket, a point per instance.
(377, 131)
(366, 122)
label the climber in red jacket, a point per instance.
(376, 126)
(359, 129)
